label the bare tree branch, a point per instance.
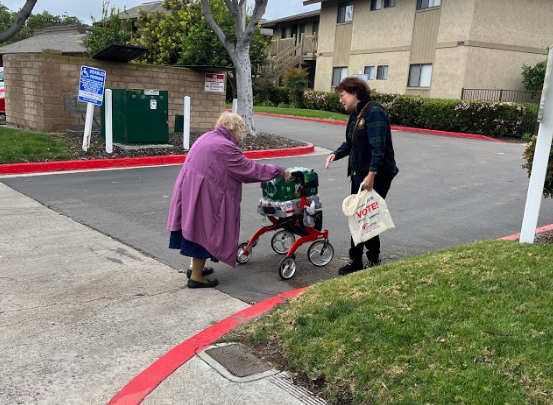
(229, 46)
(19, 21)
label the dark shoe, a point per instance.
(207, 271)
(351, 267)
(196, 284)
(372, 263)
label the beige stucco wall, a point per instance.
(455, 20)
(327, 26)
(448, 72)
(398, 70)
(384, 28)
(35, 86)
(323, 73)
(525, 23)
(489, 69)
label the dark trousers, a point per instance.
(382, 183)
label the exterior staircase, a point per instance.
(285, 54)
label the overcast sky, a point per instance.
(83, 9)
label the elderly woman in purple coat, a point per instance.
(204, 217)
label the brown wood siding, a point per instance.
(425, 35)
(342, 44)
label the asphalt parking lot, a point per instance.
(449, 191)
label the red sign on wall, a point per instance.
(214, 82)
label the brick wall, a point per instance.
(36, 85)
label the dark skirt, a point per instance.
(189, 248)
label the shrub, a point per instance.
(320, 100)
(529, 156)
(295, 80)
(266, 91)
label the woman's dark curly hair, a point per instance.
(355, 86)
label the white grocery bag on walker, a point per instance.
(367, 214)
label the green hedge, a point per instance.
(494, 119)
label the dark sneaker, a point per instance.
(351, 267)
(372, 263)
(207, 271)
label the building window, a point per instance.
(339, 74)
(420, 75)
(284, 33)
(378, 4)
(382, 72)
(369, 71)
(422, 4)
(345, 12)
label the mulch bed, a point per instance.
(97, 146)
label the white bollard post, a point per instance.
(88, 126)
(186, 124)
(234, 106)
(541, 158)
(109, 121)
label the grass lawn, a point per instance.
(469, 325)
(20, 147)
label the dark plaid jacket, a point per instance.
(369, 145)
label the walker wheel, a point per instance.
(287, 267)
(320, 253)
(241, 256)
(282, 241)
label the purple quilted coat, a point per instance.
(206, 199)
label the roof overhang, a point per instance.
(120, 53)
(308, 2)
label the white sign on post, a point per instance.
(214, 83)
(91, 91)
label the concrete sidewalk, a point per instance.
(82, 315)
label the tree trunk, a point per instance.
(239, 51)
(243, 74)
(19, 21)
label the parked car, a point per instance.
(2, 93)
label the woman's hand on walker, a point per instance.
(287, 175)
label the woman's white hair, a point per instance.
(234, 123)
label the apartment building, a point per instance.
(431, 48)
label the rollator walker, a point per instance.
(301, 217)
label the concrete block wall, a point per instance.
(36, 84)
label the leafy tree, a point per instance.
(18, 20)
(40, 21)
(181, 35)
(238, 46)
(107, 31)
(295, 80)
(534, 76)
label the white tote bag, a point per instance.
(367, 214)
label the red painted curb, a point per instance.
(137, 389)
(393, 127)
(538, 230)
(40, 167)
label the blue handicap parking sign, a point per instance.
(91, 85)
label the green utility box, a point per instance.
(279, 190)
(140, 116)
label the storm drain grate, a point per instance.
(238, 360)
